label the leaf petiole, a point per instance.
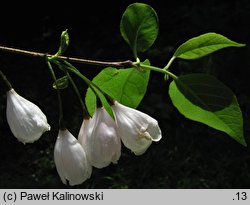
(160, 70)
(169, 63)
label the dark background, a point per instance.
(190, 155)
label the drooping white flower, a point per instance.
(26, 120)
(100, 139)
(137, 129)
(70, 159)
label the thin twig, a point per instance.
(126, 63)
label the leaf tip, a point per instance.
(242, 45)
(243, 142)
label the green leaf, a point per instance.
(128, 86)
(205, 99)
(61, 83)
(64, 43)
(203, 45)
(139, 27)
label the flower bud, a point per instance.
(137, 129)
(70, 159)
(27, 122)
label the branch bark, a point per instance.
(126, 63)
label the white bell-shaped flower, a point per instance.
(26, 120)
(70, 159)
(137, 129)
(100, 139)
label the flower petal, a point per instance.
(103, 144)
(70, 159)
(136, 128)
(82, 136)
(26, 120)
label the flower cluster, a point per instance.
(99, 139)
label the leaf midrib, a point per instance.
(208, 46)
